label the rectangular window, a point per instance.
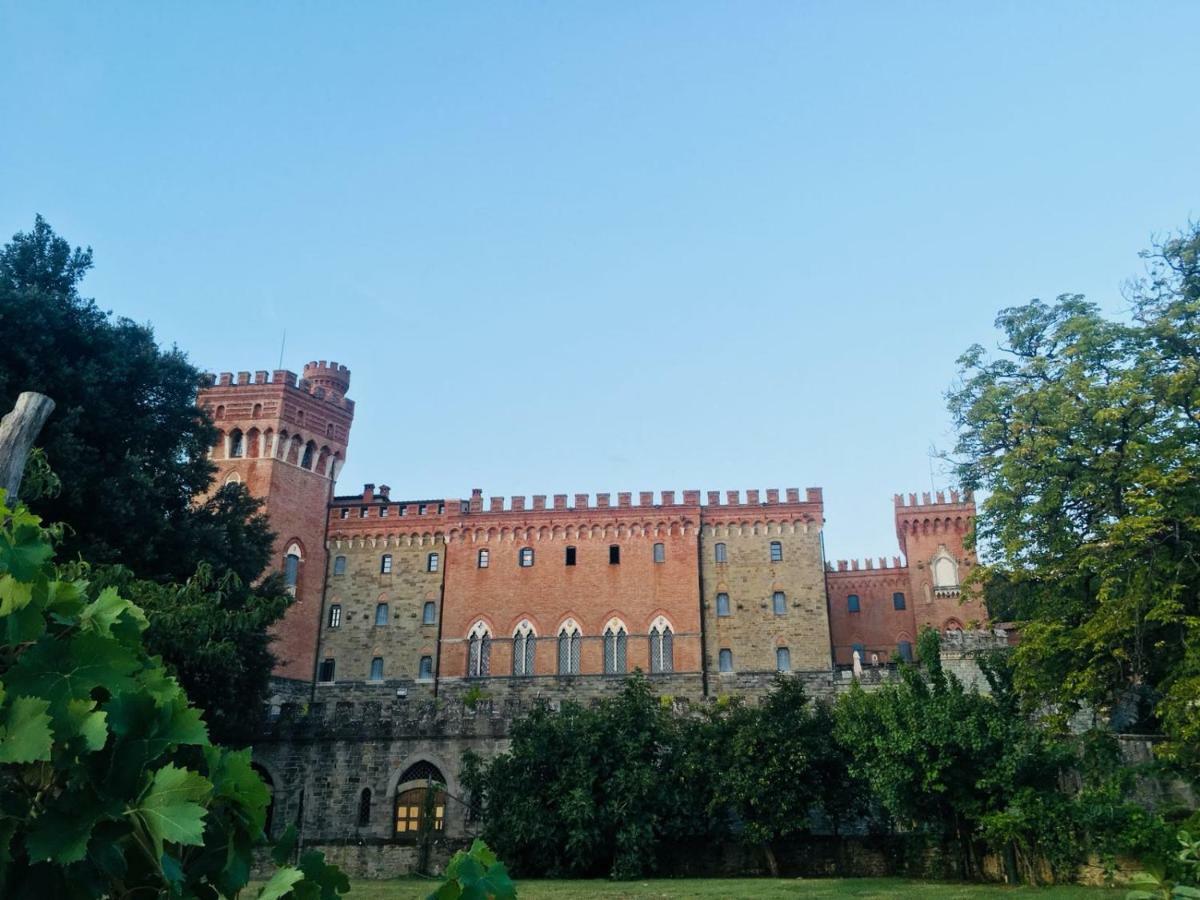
(783, 659)
(905, 648)
(377, 669)
(385, 564)
(526, 557)
(722, 604)
(335, 615)
(779, 603)
(381, 613)
(425, 672)
(614, 554)
(362, 512)
(719, 553)
(483, 559)
(726, 660)
(660, 553)
(898, 600)
(431, 563)
(339, 565)
(776, 551)
(429, 613)
(852, 603)
(570, 556)
(325, 672)
(464, 507)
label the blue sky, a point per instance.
(607, 246)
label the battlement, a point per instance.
(327, 382)
(645, 500)
(867, 565)
(937, 499)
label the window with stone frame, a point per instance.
(335, 615)
(479, 651)
(570, 643)
(662, 647)
(385, 564)
(425, 669)
(431, 562)
(615, 654)
(779, 603)
(725, 660)
(483, 559)
(720, 554)
(722, 604)
(377, 669)
(783, 659)
(381, 614)
(523, 649)
(776, 551)
(339, 565)
(429, 613)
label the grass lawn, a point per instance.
(764, 888)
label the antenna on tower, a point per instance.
(282, 344)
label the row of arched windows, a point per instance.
(568, 645)
(254, 444)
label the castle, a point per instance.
(403, 602)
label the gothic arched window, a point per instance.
(662, 647)
(570, 642)
(524, 644)
(615, 639)
(479, 651)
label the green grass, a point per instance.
(732, 888)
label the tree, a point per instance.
(126, 439)
(109, 784)
(1085, 434)
(782, 767)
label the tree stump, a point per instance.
(18, 430)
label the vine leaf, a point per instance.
(25, 736)
(171, 810)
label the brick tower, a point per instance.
(286, 441)
(931, 534)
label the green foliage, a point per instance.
(1154, 882)
(475, 874)
(125, 416)
(109, 784)
(1085, 433)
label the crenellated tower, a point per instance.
(932, 532)
(285, 439)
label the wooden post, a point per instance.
(18, 430)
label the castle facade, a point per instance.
(401, 602)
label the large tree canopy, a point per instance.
(126, 439)
(1085, 434)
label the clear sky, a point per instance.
(607, 246)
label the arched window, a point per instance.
(220, 413)
(364, 808)
(429, 613)
(377, 669)
(310, 451)
(385, 564)
(524, 643)
(253, 443)
(898, 600)
(660, 553)
(779, 603)
(945, 570)
(662, 647)
(237, 444)
(291, 569)
(783, 659)
(719, 553)
(300, 417)
(381, 613)
(329, 430)
(425, 669)
(525, 558)
(431, 562)
(479, 651)
(570, 642)
(852, 604)
(722, 604)
(615, 637)
(776, 551)
(483, 559)
(339, 565)
(725, 660)
(420, 806)
(256, 413)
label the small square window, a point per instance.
(570, 559)
(660, 553)
(614, 554)
(335, 615)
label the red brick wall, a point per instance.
(591, 592)
(922, 527)
(878, 625)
